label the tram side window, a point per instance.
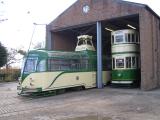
(84, 64)
(129, 38)
(112, 39)
(119, 63)
(128, 62)
(126, 38)
(134, 62)
(58, 64)
(68, 64)
(65, 64)
(137, 38)
(53, 65)
(137, 62)
(74, 64)
(41, 66)
(113, 63)
(133, 38)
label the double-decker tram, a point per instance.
(125, 57)
(45, 70)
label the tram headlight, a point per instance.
(31, 82)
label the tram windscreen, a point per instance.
(30, 65)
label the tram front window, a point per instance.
(80, 42)
(30, 65)
(41, 67)
(89, 43)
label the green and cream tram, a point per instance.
(53, 70)
(125, 57)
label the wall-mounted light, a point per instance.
(109, 29)
(131, 26)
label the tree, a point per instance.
(39, 45)
(22, 52)
(3, 55)
(11, 59)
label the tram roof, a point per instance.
(62, 54)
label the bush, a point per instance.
(9, 75)
(3, 55)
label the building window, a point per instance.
(128, 62)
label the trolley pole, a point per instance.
(99, 55)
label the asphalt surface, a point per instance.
(93, 104)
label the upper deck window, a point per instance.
(89, 42)
(112, 39)
(137, 38)
(81, 42)
(119, 38)
(131, 38)
(125, 36)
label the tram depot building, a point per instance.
(96, 18)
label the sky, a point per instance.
(17, 18)
(16, 32)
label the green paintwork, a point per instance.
(125, 75)
(23, 76)
(128, 52)
(116, 44)
(39, 89)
